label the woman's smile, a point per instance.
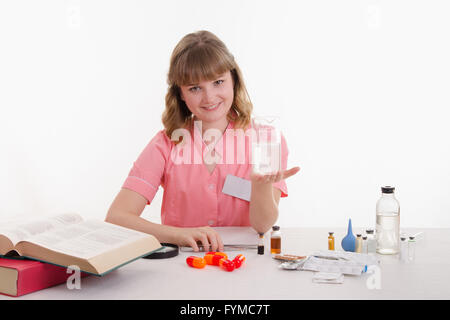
(212, 107)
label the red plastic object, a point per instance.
(238, 260)
(196, 262)
(226, 264)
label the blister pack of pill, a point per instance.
(334, 266)
(363, 258)
(327, 277)
(333, 262)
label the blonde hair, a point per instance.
(201, 56)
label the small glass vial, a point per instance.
(358, 243)
(371, 242)
(275, 240)
(364, 244)
(411, 249)
(403, 249)
(330, 241)
(261, 243)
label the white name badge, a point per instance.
(237, 187)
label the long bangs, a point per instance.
(200, 63)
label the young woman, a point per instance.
(206, 94)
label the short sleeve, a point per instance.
(284, 157)
(147, 172)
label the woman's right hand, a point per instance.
(127, 208)
(206, 236)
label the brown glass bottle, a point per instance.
(261, 243)
(330, 241)
(275, 240)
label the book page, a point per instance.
(87, 239)
(233, 238)
(237, 235)
(18, 230)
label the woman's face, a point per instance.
(211, 100)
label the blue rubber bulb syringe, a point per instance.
(348, 243)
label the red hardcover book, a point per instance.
(19, 277)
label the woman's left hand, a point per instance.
(274, 177)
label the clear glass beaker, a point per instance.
(266, 145)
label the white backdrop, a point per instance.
(362, 88)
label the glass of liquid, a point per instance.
(266, 145)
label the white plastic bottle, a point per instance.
(388, 222)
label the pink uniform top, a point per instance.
(192, 195)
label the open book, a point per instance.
(96, 247)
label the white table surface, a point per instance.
(428, 277)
